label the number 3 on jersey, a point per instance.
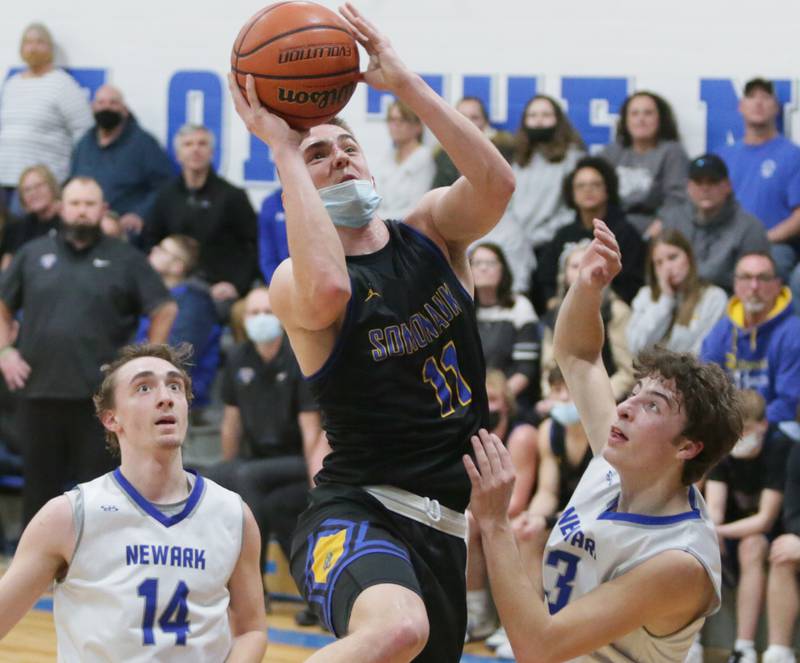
(435, 374)
(566, 564)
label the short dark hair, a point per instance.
(606, 171)
(504, 295)
(667, 125)
(761, 254)
(759, 83)
(707, 397)
(178, 356)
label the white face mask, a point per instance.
(263, 327)
(350, 204)
(565, 413)
(747, 446)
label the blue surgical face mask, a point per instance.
(350, 204)
(565, 413)
(263, 327)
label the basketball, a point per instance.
(304, 60)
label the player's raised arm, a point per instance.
(470, 208)
(42, 554)
(578, 337)
(311, 290)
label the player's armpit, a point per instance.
(663, 595)
(42, 555)
(247, 612)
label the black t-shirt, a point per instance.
(569, 475)
(78, 309)
(269, 396)
(219, 216)
(791, 498)
(404, 388)
(24, 230)
(747, 477)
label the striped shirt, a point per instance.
(41, 117)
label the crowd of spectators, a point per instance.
(710, 250)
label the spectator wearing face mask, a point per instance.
(272, 442)
(564, 454)
(744, 495)
(123, 158)
(547, 147)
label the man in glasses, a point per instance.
(758, 341)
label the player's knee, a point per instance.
(753, 549)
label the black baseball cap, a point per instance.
(709, 167)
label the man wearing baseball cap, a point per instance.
(717, 227)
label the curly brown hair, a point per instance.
(709, 400)
(178, 356)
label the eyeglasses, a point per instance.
(485, 263)
(761, 278)
(583, 186)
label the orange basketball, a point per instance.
(303, 58)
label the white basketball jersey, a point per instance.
(592, 543)
(143, 586)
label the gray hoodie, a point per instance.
(719, 242)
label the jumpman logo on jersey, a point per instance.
(372, 293)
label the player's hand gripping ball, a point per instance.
(304, 60)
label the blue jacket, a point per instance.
(273, 247)
(765, 358)
(130, 170)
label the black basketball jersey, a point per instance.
(404, 388)
(568, 475)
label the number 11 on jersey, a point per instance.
(435, 373)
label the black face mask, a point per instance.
(82, 234)
(108, 119)
(540, 134)
(493, 421)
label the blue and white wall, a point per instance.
(170, 59)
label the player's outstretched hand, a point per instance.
(386, 71)
(270, 128)
(492, 478)
(603, 260)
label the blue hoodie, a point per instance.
(765, 358)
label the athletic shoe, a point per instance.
(497, 638)
(505, 651)
(743, 656)
(479, 629)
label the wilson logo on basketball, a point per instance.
(315, 52)
(320, 99)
